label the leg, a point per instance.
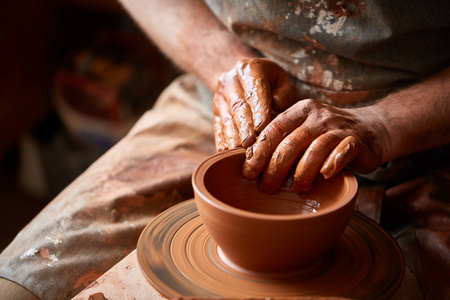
(97, 219)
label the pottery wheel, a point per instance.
(179, 258)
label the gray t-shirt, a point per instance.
(345, 52)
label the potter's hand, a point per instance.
(318, 138)
(245, 99)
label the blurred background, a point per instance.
(75, 75)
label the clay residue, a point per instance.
(53, 240)
(333, 60)
(316, 76)
(343, 98)
(360, 10)
(97, 296)
(44, 253)
(132, 202)
(328, 21)
(314, 43)
(86, 279)
(29, 253)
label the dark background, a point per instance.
(38, 157)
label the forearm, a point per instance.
(189, 34)
(416, 118)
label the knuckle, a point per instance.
(216, 103)
(237, 104)
(305, 134)
(290, 144)
(307, 106)
(242, 65)
(310, 103)
(222, 77)
(227, 120)
(252, 61)
(275, 129)
(315, 147)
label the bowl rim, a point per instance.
(198, 184)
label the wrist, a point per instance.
(212, 67)
(379, 136)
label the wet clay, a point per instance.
(233, 189)
(270, 233)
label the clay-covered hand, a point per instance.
(315, 137)
(245, 99)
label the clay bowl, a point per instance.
(276, 233)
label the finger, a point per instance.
(284, 157)
(312, 160)
(229, 130)
(218, 135)
(259, 154)
(347, 150)
(256, 86)
(242, 116)
(241, 111)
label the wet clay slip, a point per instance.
(280, 232)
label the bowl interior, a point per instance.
(224, 181)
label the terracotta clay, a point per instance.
(270, 233)
(178, 257)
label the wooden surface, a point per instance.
(125, 281)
